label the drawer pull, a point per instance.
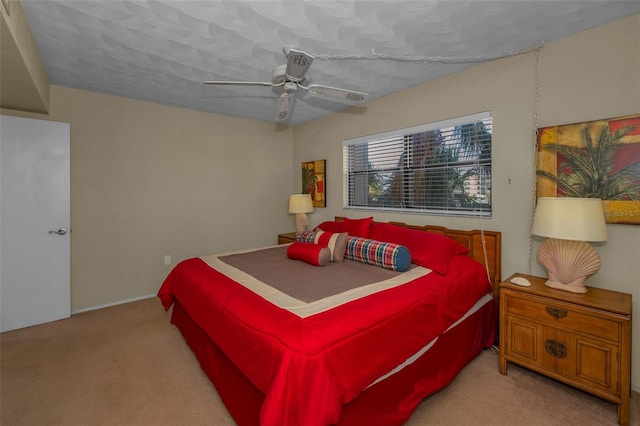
(555, 348)
(556, 313)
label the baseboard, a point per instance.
(106, 305)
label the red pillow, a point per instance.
(430, 250)
(332, 226)
(313, 254)
(358, 227)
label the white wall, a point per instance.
(588, 76)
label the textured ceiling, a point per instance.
(161, 51)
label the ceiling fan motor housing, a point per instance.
(279, 74)
(290, 86)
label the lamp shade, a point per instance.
(566, 218)
(300, 203)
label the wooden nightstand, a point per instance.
(286, 238)
(583, 340)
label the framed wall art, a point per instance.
(314, 181)
(594, 159)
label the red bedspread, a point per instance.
(309, 367)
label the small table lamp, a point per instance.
(300, 204)
(569, 223)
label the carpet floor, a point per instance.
(127, 365)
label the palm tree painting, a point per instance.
(313, 182)
(596, 159)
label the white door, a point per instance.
(34, 222)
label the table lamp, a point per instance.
(300, 204)
(569, 223)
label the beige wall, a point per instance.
(149, 180)
(588, 76)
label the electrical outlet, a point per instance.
(167, 260)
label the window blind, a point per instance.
(440, 168)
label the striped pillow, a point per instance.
(378, 253)
(337, 242)
(305, 237)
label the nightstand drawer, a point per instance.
(564, 316)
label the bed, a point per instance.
(367, 353)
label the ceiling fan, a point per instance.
(287, 78)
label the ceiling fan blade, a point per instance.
(285, 106)
(298, 64)
(240, 83)
(337, 93)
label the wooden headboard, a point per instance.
(477, 241)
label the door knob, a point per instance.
(60, 231)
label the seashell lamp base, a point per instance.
(566, 287)
(301, 222)
(568, 263)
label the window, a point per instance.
(437, 168)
